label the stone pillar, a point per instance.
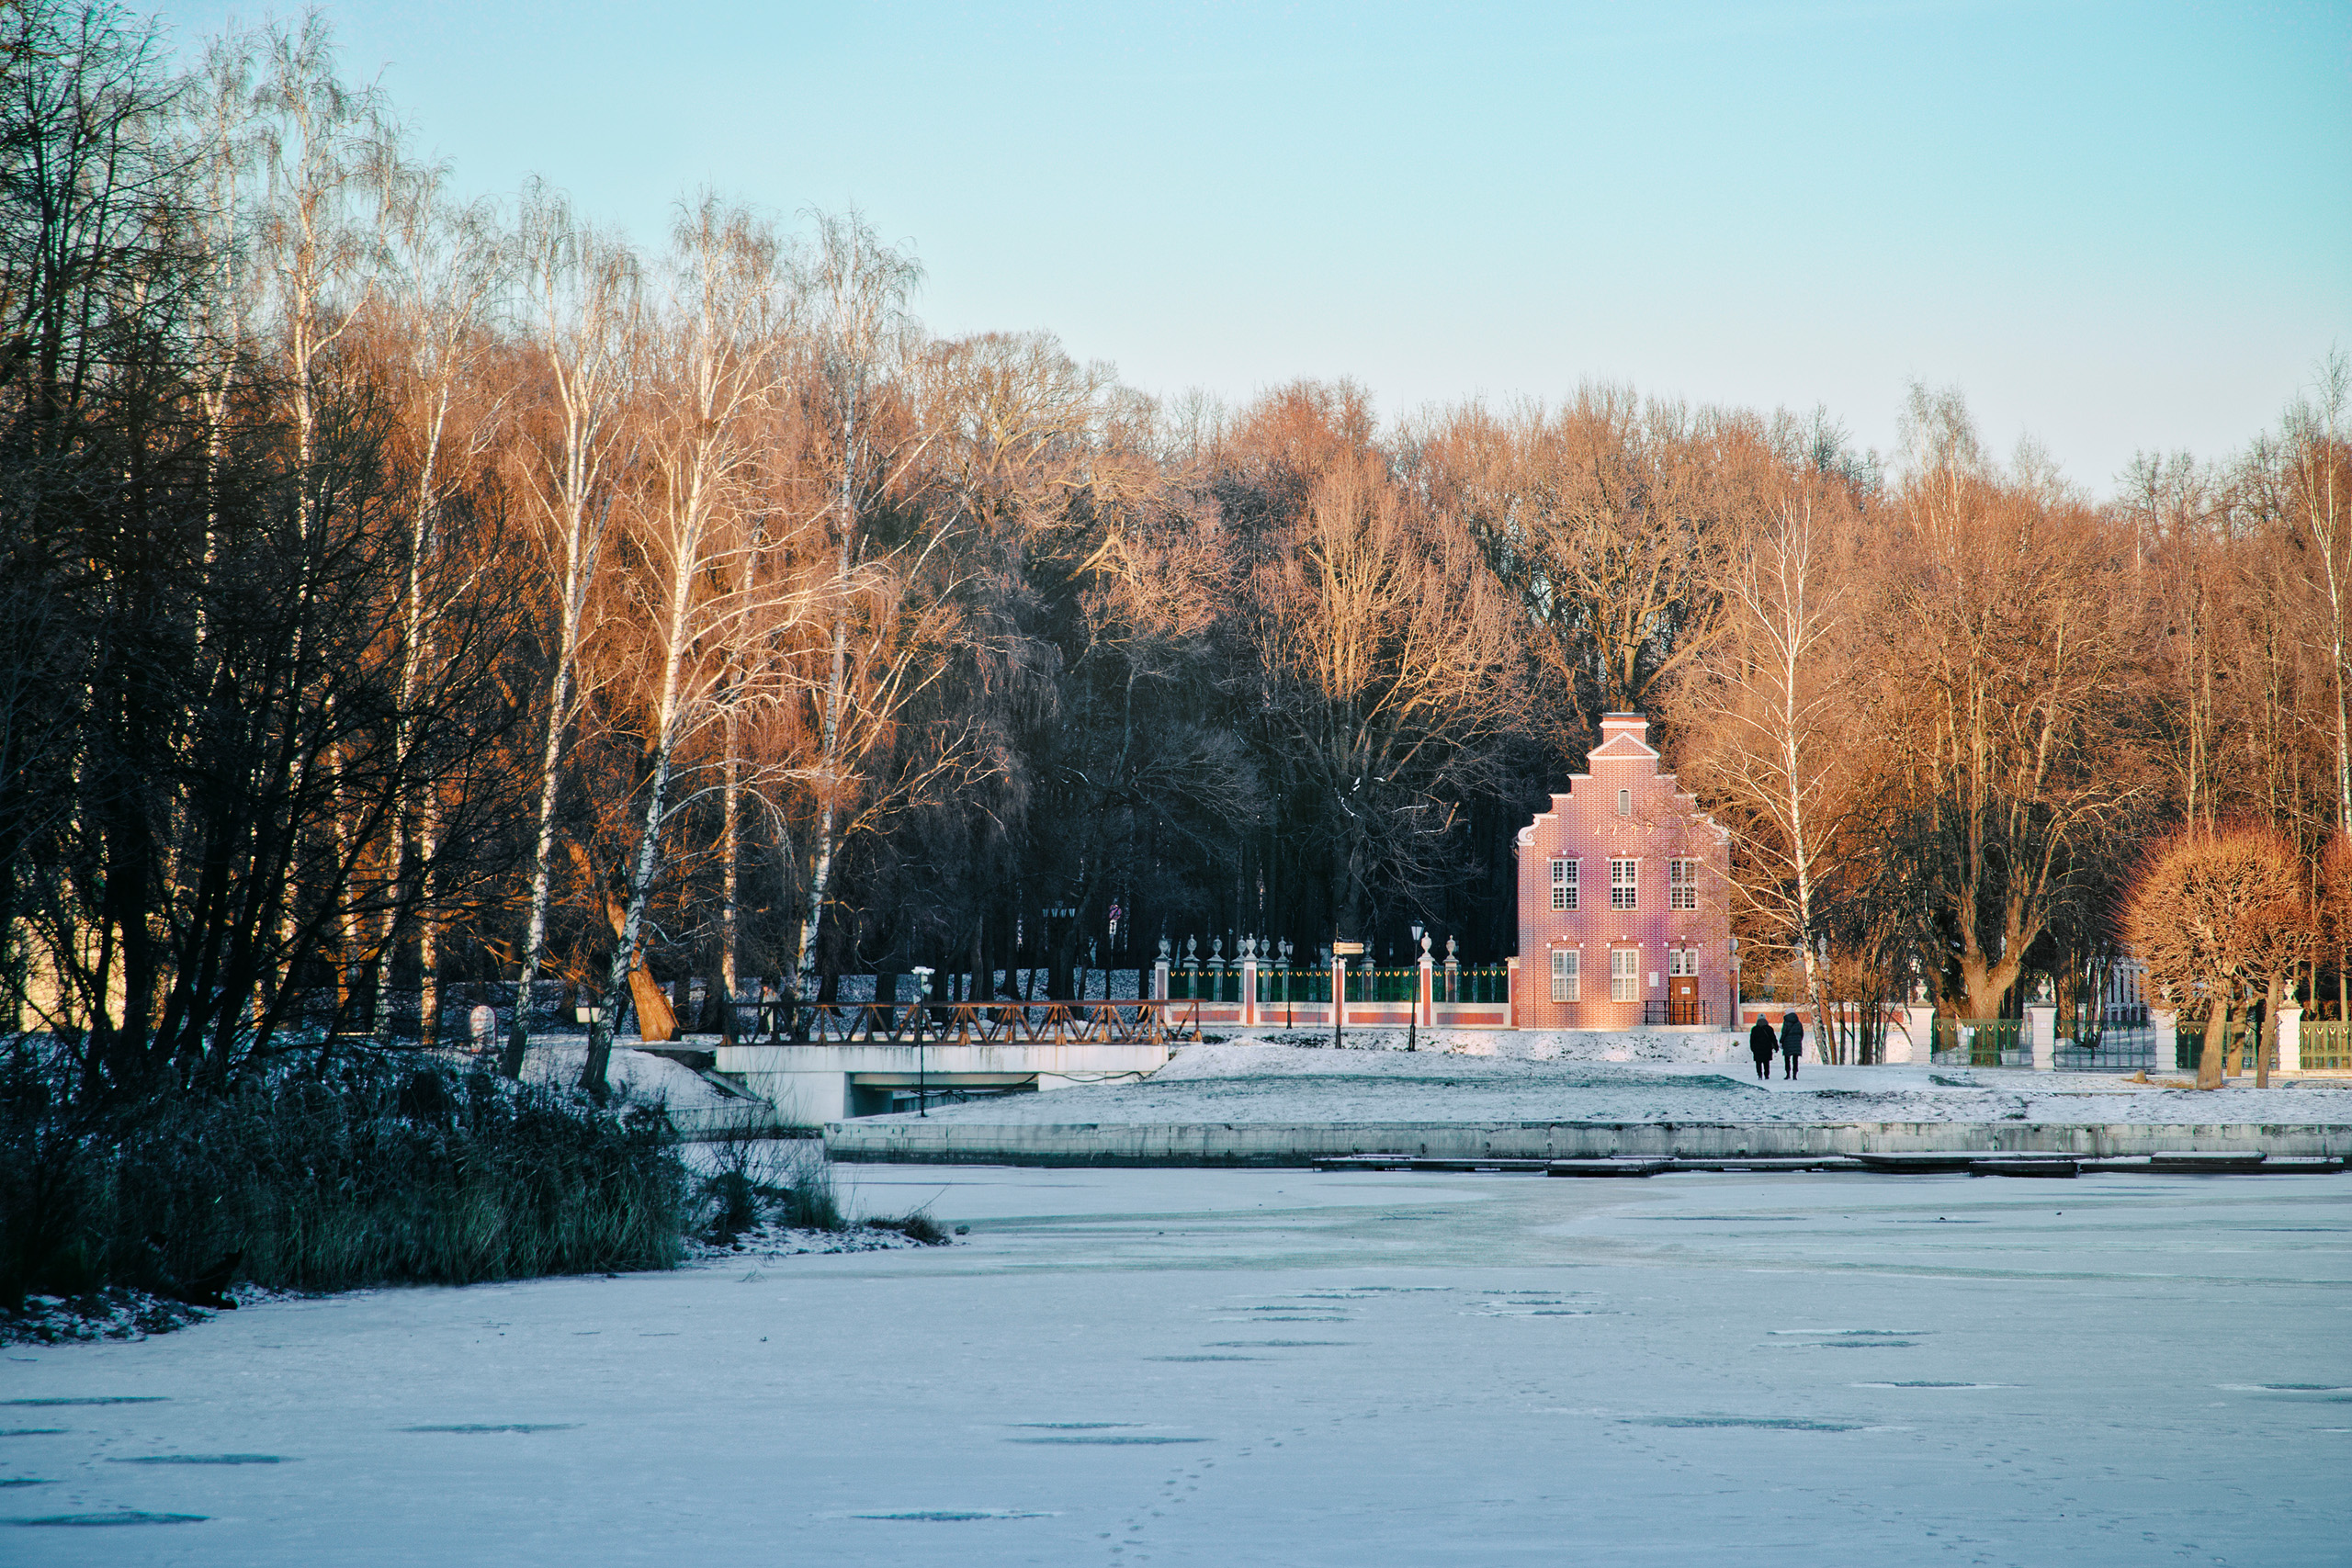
(2041, 1035)
(2165, 1025)
(1159, 972)
(1339, 996)
(1429, 991)
(1510, 990)
(2291, 1040)
(1248, 983)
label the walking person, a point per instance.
(1792, 1044)
(1761, 1044)
(767, 1008)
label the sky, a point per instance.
(2113, 227)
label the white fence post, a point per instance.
(2291, 1040)
(2166, 1025)
(1918, 1043)
(2042, 1030)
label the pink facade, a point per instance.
(1625, 913)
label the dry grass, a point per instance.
(324, 1173)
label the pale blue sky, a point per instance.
(2113, 227)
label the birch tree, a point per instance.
(2318, 459)
(584, 300)
(861, 288)
(1773, 716)
(719, 347)
(450, 264)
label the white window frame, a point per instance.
(1567, 974)
(1624, 974)
(1624, 802)
(1682, 889)
(1625, 884)
(1564, 883)
(1681, 963)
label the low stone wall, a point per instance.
(1280, 1144)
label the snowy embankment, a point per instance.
(1237, 1083)
(698, 1105)
(1679, 1045)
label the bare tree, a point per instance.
(1390, 669)
(584, 300)
(2015, 664)
(1606, 517)
(450, 264)
(718, 362)
(1772, 712)
(2318, 455)
(861, 288)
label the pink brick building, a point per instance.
(1624, 912)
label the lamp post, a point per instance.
(922, 973)
(1420, 963)
(1735, 983)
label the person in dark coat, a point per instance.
(1792, 1044)
(1761, 1044)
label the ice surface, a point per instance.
(1266, 1083)
(1472, 1370)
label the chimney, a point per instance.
(1613, 724)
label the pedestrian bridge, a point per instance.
(869, 1059)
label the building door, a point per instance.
(1682, 1000)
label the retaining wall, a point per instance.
(1276, 1144)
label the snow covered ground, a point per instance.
(697, 1107)
(639, 1075)
(1282, 1084)
(1223, 1367)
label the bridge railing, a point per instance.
(996, 1023)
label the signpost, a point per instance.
(1341, 952)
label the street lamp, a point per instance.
(1413, 1017)
(922, 973)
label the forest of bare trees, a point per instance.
(401, 593)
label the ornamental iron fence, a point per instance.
(1981, 1043)
(2327, 1046)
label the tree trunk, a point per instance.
(731, 875)
(535, 935)
(655, 1020)
(2269, 1043)
(2209, 1054)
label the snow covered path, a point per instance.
(1229, 1367)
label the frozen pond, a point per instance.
(1220, 1367)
